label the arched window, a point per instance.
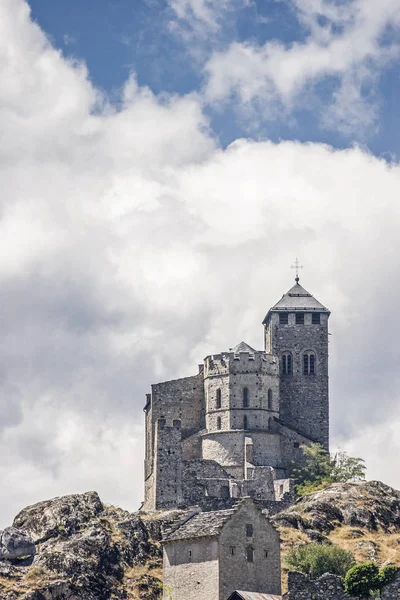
(309, 363)
(218, 398)
(245, 397)
(250, 554)
(245, 422)
(218, 422)
(269, 399)
(287, 364)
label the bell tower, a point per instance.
(296, 332)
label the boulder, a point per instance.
(367, 505)
(15, 543)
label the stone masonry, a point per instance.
(233, 429)
(212, 554)
(329, 587)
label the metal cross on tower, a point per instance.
(297, 267)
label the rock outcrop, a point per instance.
(370, 505)
(84, 551)
(15, 544)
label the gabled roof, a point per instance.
(204, 524)
(242, 347)
(297, 298)
(253, 596)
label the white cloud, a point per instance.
(344, 42)
(132, 246)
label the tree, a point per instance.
(320, 469)
(316, 559)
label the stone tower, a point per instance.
(296, 331)
(233, 429)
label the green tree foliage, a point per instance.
(362, 579)
(316, 559)
(387, 574)
(321, 468)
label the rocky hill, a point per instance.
(76, 548)
(361, 517)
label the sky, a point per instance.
(162, 164)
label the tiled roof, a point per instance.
(242, 347)
(254, 596)
(297, 298)
(204, 524)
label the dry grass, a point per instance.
(14, 584)
(386, 544)
(289, 537)
(134, 575)
(36, 575)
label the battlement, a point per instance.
(243, 418)
(244, 362)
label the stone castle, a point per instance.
(232, 430)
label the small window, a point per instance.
(309, 363)
(299, 318)
(283, 318)
(287, 368)
(190, 556)
(266, 553)
(232, 550)
(218, 422)
(250, 554)
(316, 319)
(218, 399)
(249, 530)
(245, 422)
(305, 364)
(245, 397)
(269, 399)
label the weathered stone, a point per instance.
(61, 516)
(329, 587)
(15, 543)
(83, 552)
(366, 504)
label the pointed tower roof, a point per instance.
(242, 347)
(297, 299)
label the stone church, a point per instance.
(232, 430)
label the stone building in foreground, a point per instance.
(231, 430)
(212, 554)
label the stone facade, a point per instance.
(214, 553)
(329, 587)
(233, 429)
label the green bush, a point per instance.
(362, 579)
(387, 574)
(316, 559)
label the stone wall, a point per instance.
(190, 570)
(329, 587)
(168, 466)
(236, 571)
(304, 402)
(230, 374)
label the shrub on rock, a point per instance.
(362, 579)
(316, 559)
